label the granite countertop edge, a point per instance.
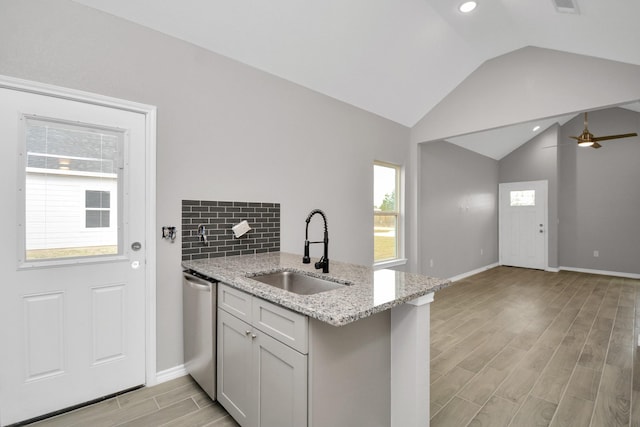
(338, 307)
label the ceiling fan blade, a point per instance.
(575, 137)
(596, 145)
(607, 137)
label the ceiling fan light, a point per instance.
(585, 143)
(467, 6)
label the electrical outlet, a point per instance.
(596, 254)
(431, 263)
(481, 251)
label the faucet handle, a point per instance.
(322, 264)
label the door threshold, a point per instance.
(74, 407)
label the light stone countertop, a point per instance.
(368, 291)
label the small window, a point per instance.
(98, 204)
(386, 212)
(523, 198)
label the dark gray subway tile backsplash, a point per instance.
(218, 218)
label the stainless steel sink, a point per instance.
(297, 283)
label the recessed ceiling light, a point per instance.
(467, 6)
(537, 128)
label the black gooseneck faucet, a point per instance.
(324, 261)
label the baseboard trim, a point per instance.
(170, 374)
(472, 272)
(552, 269)
(601, 272)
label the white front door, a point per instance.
(72, 298)
(523, 224)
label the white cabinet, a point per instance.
(281, 383)
(279, 368)
(235, 382)
(262, 361)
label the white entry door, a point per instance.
(523, 224)
(72, 255)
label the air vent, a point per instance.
(566, 6)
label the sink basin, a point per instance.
(297, 283)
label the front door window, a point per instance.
(71, 190)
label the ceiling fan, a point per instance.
(586, 139)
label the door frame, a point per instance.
(542, 182)
(150, 114)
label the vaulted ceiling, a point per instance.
(497, 143)
(397, 59)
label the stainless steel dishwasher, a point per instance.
(199, 320)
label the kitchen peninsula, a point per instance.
(364, 346)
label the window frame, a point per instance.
(397, 213)
(101, 209)
(26, 263)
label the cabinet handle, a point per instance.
(247, 332)
(253, 336)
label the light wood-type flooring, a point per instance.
(177, 403)
(517, 347)
(509, 347)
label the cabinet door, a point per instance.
(282, 383)
(236, 386)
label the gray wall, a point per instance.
(458, 210)
(225, 132)
(599, 195)
(524, 85)
(535, 161)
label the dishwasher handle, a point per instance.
(197, 283)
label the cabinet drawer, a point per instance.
(234, 301)
(286, 326)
